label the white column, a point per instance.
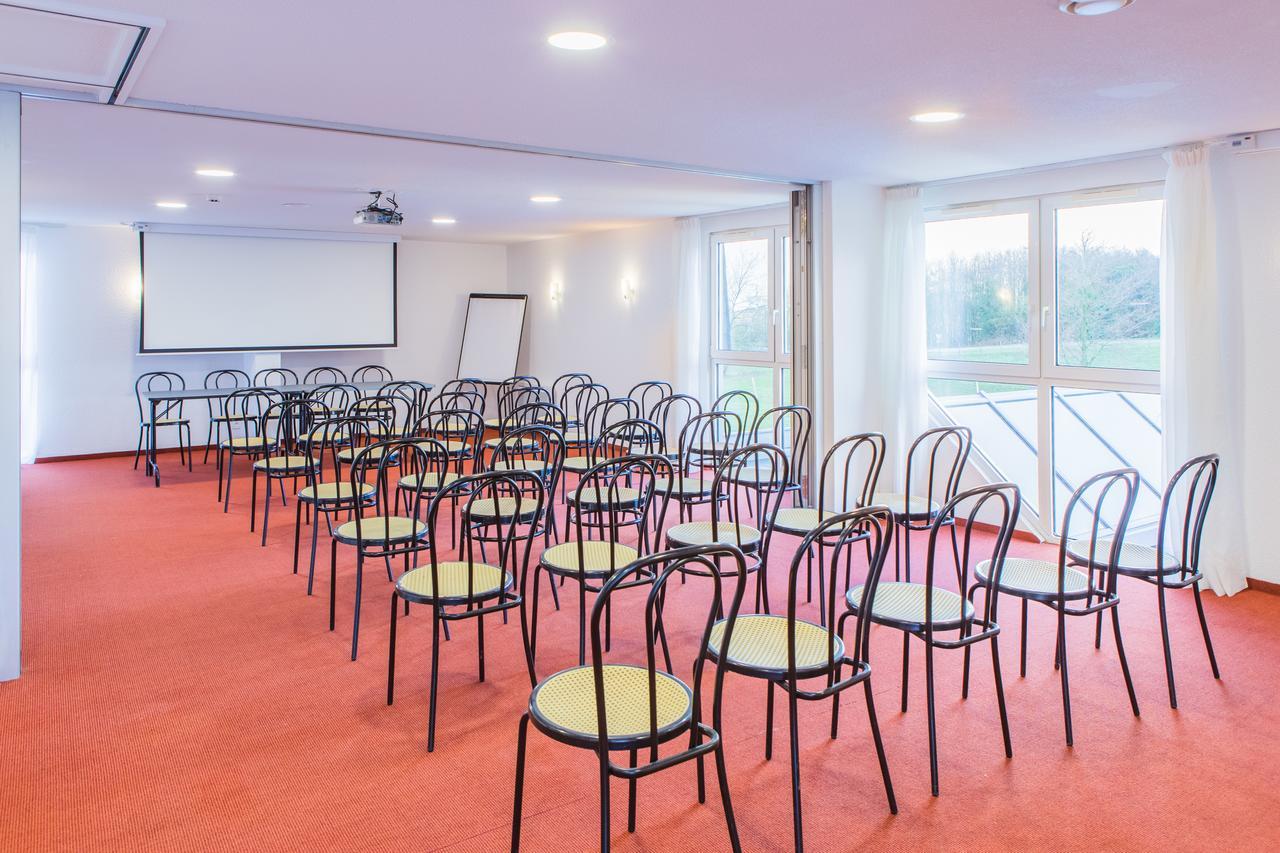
(10, 385)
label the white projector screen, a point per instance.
(229, 293)
(491, 337)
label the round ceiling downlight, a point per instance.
(171, 205)
(1092, 8)
(215, 173)
(577, 41)
(544, 199)
(937, 117)
(443, 220)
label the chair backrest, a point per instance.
(631, 437)
(580, 399)
(746, 406)
(380, 463)
(336, 397)
(767, 469)
(275, 376)
(660, 568)
(605, 414)
(649, 392)
(466, 386)
(973, 510)
(453, 425)
(158, 380)
(371, 373)
(850, 472)
(619, 493)
(229, 378)
(536, 448)
(513, 383)
(1107, 500)
(703, 437)
(529, 496)
(324, 376)
(827, 544)
(534, 414)
(519, 396)
(671, 413)
(940, 454)
(396, 412)
(416, 393)
(788, 427)
(329, 436)
(1190, 487)
(285, 423)
(565, 383)
(245, 410)
(448, 401)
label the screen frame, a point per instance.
(466, 320)
(143, 349)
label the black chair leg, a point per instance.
(723, 778)
(518, 808)
(604, 804)
(1168, 653)
(355, 628)
(906, 663)
(315, 538)
(297, 537)
(266, 509)
(333, 582)
(1124, 663)
(933, 723)
(631, 796)
(768, 724)
(1022, 667)
(391, 652)
(253, 502)
(796, 816)
(875, 736)
(1204, 629)
(435, 677)
(1004, 713)
(138, 454)
(1062, 669)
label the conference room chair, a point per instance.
(792, 653)
(284, 457)
(472, 586)
(609, 706)
(583, 443)
(614, 497)
(418, 393)
(219, 379)
(327, 494)
(729, 507)
(514, 397)
(846, 481)
(324, 376)
(940, 454)
(577, 401)
(649, 392)
(384, 533)
(371, 373)
(564, 385)
(787, 427)
(465, 386)
(537, 449)
(1065, 589)
(332, 401)
(246, 410)
(533, 409)
(1191, 488)
(274, 377)
(508, 386)
(169, 413)
(943, 618)
(746, 406)
(671, 413)
(444, 401)
(460, 432)
(700, 440)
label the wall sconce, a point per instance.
(557, 292)
(628, 291)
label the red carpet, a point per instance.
(180, 691)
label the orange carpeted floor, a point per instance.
(181, 691)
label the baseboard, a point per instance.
(1263, 586)
(110, 454)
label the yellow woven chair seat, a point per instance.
(799, 519)
(456, 580)
(1134, 559)
(594, 496)
(577, 464)
(686, 486)
(1035, 578)
(483, 508)
(247, 442)
(727, 533)
(285, 463)
(339, 491)
(517, 444)
(566, 703)
(453, 447)
(519, 465)
(760, 643)
(347, 454)
(333, 433)
(903, 605)
(751, 475)
(594, 559)
(430, 480)
(381, 528)
(492, 423)
(921, 506)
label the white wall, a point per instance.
(10, 384)
(87, 333)
(592, 329)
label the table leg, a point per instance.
(151, 445)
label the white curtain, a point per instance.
(693, 338)
(27, 403)
(900, 374)
(1201, 331)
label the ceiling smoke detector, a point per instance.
(386, 213)
(1092, 8)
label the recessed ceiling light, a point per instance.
(443, 220)
(171, 205)
(577, 41)
(215, 173)
(544, 199)
(295, 204)
(937, 117)
(1091, 8)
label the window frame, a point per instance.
(1042, 370)
(774, 357)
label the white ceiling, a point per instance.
(92, 164)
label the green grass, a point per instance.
(1125, 355)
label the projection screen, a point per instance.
(206, 292)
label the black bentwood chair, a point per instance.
(786, 651)
(324, 376)
(371, 373)
(846, 481)
(284, 457)
(926, 610)
(271, 377)
(695, 450)
(628, 707)
(385, 533)
(1069, 591)
(648, 393)
(170, 413)
(218, 379)
(246, 411)
(671, 413)
(470, 587)
(1191, 487)
(947, 449)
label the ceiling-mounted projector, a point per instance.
(380, 212)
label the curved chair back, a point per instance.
(286, 423)
(580, 399)
(415, 392)
(850, 472)
(649, 392)
(788, 427)
(519, 396)
(528, 498)
(329, 435)
(534, 414)
(158, 380)
(324, 376)
(447, 401)
(603, 415)
(371, 373)
(461, 431)
(765, 466)
(246, 410)
(1190, 487)
(1108, 500)
(671, 413)
(564, 385)
(702, 438)
(380, 463)
(942, 453)
(336, 398)
(746, 406)
(228, 378)
(632, 437)
(272, 377)
(466, 386)
(629, 491)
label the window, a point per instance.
(751, 275)
(1043, 330)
